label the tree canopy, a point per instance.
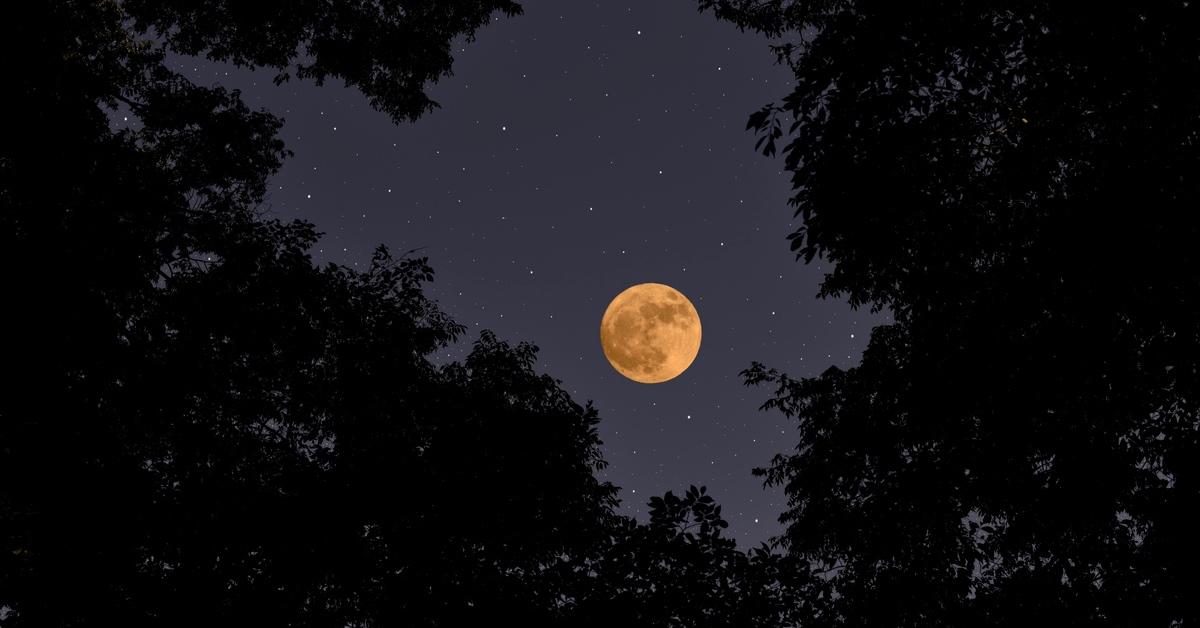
(1016, 183)
(388, 49)
(679, 570)
(209, 428)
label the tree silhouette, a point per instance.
(679, 570)
(388, 49)
(1017, 184)
(202, 427)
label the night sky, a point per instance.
(579, 149)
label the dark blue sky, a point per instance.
(582, 148)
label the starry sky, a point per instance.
(579, 149)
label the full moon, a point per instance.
(650, 333)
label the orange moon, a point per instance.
(650, 333)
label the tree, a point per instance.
(388, 49)
(679, 571)
(200, 426)
(1016, 183)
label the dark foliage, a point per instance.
(1017, 183)
(200, 426)
(389, 49)
(680, 571)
